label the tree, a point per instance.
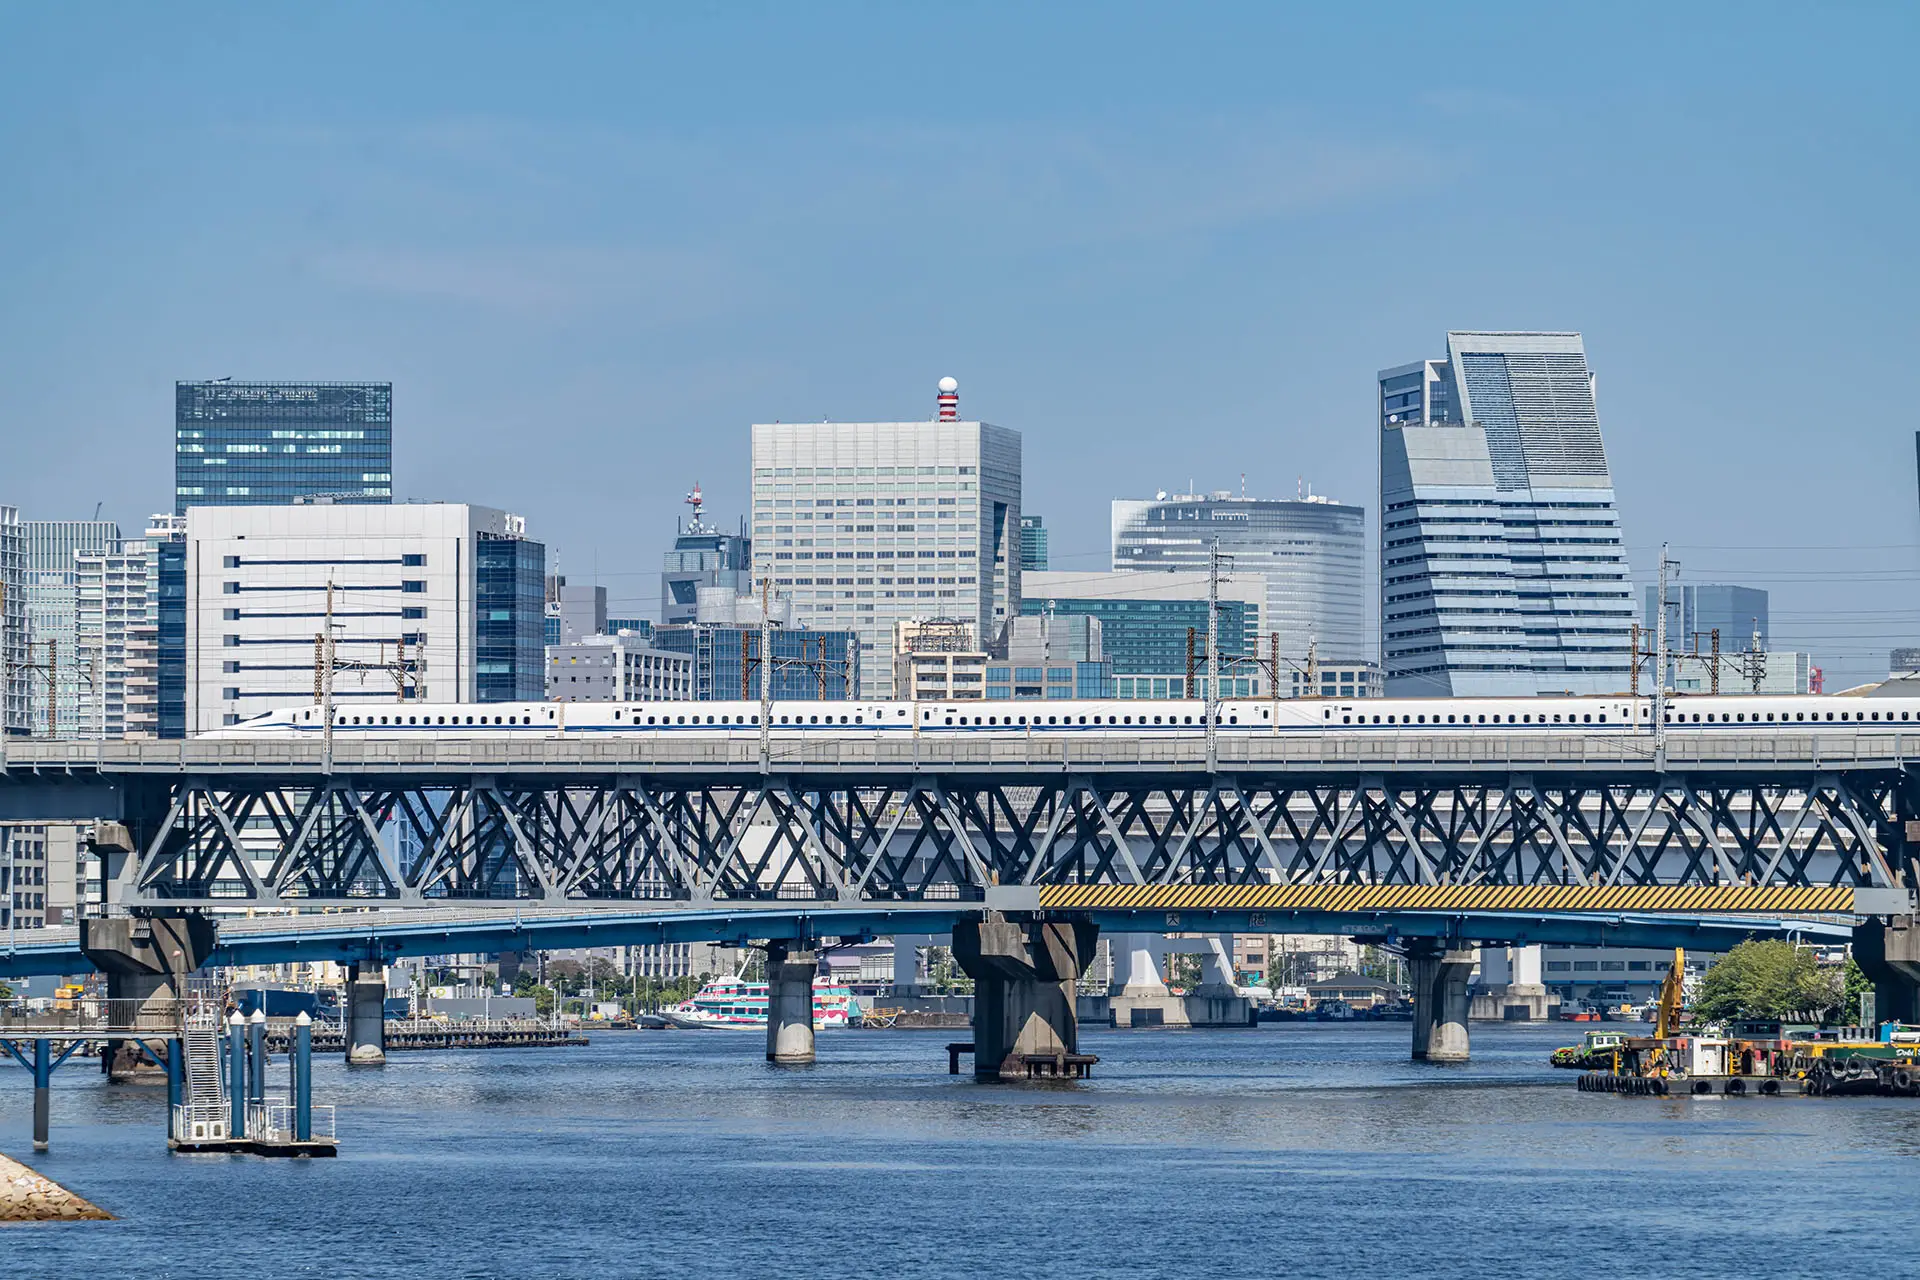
(1856, 983)
(1766, 980)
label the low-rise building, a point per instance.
(620, 668)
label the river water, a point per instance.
(1289, 1150)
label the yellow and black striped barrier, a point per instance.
(1676, 898)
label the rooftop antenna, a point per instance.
(695, 501)
(949, 400)
(1243, 486)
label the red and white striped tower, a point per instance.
(949, 400)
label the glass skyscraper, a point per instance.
(60, 683)
(1312, 552)
(509, 590)
(1501, 565)
(263, 443)
(1033, 544)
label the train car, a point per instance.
(1602, 715)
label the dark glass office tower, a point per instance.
(267, 443)
(510, 576)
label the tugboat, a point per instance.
(1579, 1011)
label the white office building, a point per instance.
(622, 668)
(257, 592)
(867, 524)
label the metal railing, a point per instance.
(93, 1016)
(272, 1121)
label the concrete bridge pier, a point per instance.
(1887, 949)
(791, 967)
(1217, 1001)
(1439, 976)
(366, 1015)
(147, 961)
(1024, 974)
(906, 962)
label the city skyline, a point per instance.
(1155, 274)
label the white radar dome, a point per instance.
(949, 384)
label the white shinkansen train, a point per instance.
(1616, 714)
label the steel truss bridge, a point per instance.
(1768, 823)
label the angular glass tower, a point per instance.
(248, 444)
(1501, 565)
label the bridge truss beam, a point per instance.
(940, 837)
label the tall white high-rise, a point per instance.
(866, 524)
(14, 677)
(1501, 565)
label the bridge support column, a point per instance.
(906, 963)
(790, 972)
(147, 962)
(366, 1015)
(1887, 949)
(1217, 1001)
(1439, 977)
(1024, 975)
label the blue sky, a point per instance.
(590, 244)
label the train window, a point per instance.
(1053, 720)
(1421, 719)
(649, 719)
(1876, 716)
(1556, 717)
(1903, 715)
(1156, 719)
(1769, 716)
(1346, 719)
(1127, 719)
(1482, 719)
(1449, 719)
(753, 719)
(1023, 719)
(1083, 719)
(1603, 717)
(950, 720)
(1233, 719)
(857, 720)
(783, 719)
(1327, 715)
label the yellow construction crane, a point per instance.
(1667, 1021)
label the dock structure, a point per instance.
(405, 1034)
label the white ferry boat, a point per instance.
(734, 1004)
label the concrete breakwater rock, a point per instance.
(25, 1196)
